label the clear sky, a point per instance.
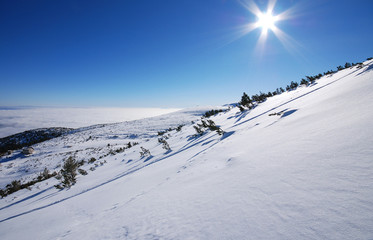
(168, 53)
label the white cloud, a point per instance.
(14, 120)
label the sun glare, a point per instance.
(266, 21)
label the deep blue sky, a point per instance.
(167, 53)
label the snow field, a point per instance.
(304, 174)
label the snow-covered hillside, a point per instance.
(304, 173)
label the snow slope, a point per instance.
(304, 174)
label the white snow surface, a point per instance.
(304, 174)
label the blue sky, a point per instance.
(167, 53)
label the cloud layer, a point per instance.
(14, 120)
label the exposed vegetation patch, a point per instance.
(208, 124)
(28, 138)
(16, 185)
(249, 103)
(212, 112)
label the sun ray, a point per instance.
(291, 45)
(236, 33)
(261, 41)
(271, 5)
(251, 6)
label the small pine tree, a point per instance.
(245, 100)
(311, 79)
(293, 85)
(68, 172)
(212, 126)
(164, 144)
(304, 82)
(262, 97)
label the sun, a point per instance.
(266, 21)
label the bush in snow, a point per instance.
(212, 112)
(212, 126)
(245, 100)
(68, 172)
(14, 186)
(207, 124)
(164, 144)
(293, 85)
(144, 152)
(241, 108)
(92, 160)
(82, 171)
(178, 129)
(199, 130)
(304, 82)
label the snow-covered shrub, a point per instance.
(2, 193)
(212, 112)
(68, 172)
(92, 160)
(199, 130)
(241, 108)
(82, 171)
(129, 144)
(164, 144)
(178, 129)
(209, 124)
(14, 186)
(212, 126)
(119, 150)
(144, 152)
(45, 174)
